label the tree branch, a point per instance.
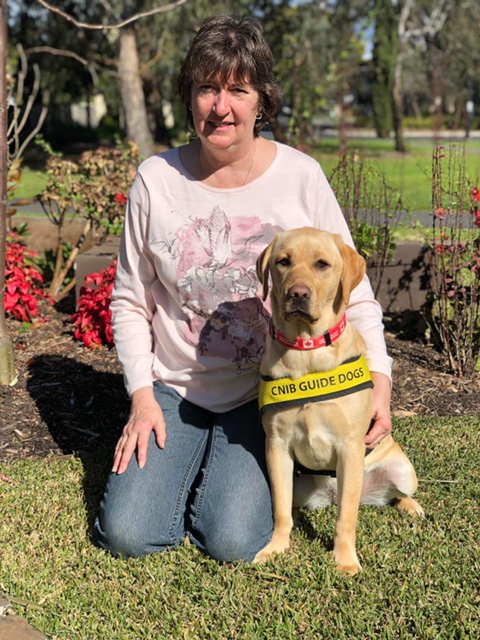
(69, 54)
(118, 25)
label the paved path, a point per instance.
(13, 627)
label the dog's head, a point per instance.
(312, 272)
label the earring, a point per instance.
(258, 116)
(189, 107)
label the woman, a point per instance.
(188, 324)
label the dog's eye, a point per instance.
(321, 265)
(284, 262)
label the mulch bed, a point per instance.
(70, 399)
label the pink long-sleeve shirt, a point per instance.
(186, 306)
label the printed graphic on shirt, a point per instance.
(217, 285)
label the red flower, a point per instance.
(120, 197)
(93, 320)
(440, 213)
(475, 194)
(23, 282)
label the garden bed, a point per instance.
(69, 398)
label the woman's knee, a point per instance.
(120, 539)
(230, 542)
(229, 550)
(132, 537)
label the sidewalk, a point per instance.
(448, 135)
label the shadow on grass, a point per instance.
(305, 524)
(84, 410)
(96, 467)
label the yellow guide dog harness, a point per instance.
(351, 376)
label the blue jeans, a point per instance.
(209, 483)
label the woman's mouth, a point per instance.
(221, 125)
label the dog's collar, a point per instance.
(306, 344)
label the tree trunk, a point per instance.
(7, 365)
(397, 93)
(131, 90)
(385, 50)
(397, 97)
(278, 133)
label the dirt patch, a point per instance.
(70, 399)
(43, 234)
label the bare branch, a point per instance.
(158, 55)
(430, 24)
(118, 25)
(37, 127)
(19, 120)
(58, 52)
(31, 98)
(23, 72)
(91, 66)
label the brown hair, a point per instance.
(227, 44)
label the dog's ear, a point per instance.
(263, 270)
(353, 268)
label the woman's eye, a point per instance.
(205, 88)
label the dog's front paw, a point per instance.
(350, 569)
(409, 505)
(274, 546)
(346, 560)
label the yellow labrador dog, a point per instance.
(316, 394)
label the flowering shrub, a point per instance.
(95, 189)
(371, 208)
(454, 299)
(92, 319)
(23, 280)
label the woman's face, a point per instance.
(224, 113)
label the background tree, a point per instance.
(419, 23)
(122, 48)
(385, 48)
(345, 54)
(15, 113)
(456, 51)
(7, 365)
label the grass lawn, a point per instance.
(421, 578)
(31, 183)
(409, 173)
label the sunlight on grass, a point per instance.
(31, 183)
(409, 173)
(420, 577)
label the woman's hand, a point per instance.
(145, 417)
(381, 424)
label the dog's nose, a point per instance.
(299, 291)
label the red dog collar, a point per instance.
(305, 344)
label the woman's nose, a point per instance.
(221, 102)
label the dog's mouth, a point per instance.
(298, 310)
